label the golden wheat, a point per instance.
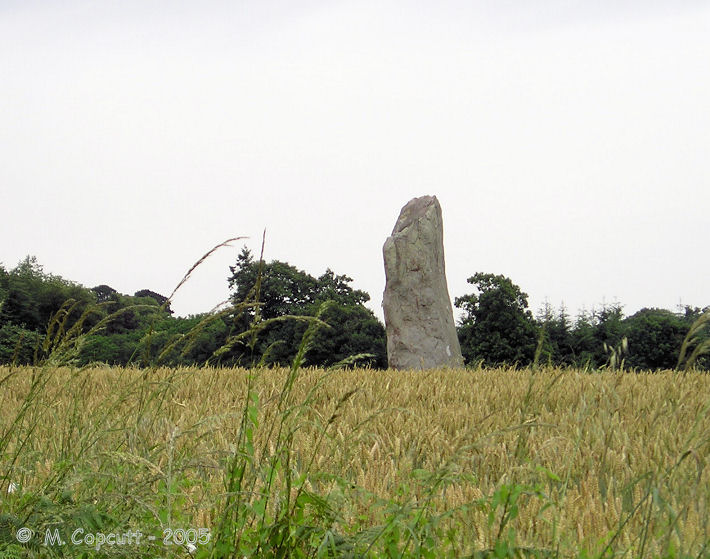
(585, 439)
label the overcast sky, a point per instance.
(567, 141)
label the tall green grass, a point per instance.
(694, 345)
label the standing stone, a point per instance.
(418, 316)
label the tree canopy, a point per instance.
(272, 303)
(497, 327)
(278, 290)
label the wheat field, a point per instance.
(579, 464)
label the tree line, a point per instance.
(272, 304)
(498, 328)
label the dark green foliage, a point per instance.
(655, 337)
(695, 349)
(30, 298)
(204, 343)
(593, 330)
(557, 344)
(4, 278)
(283, 288)
(182, 341)
(354, 331)
(497, 329)
(281, 291)
(106, 349)
(162, 300)
(104, 293)
(497, 326)
(18, 344)
(139, 328)
(34, 304)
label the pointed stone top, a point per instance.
(414, 210)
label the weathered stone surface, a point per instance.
(418, 316)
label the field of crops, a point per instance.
(356, 463)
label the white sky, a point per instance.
(567, 141)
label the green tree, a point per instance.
(18, 344)
(331, 287)
(30, 298)
(557, 336)
(101, 348)
(133, 319)
(23, 288)
(593, 330)
(694, 349)
(202, 345)
(354, 330)
(104, 293)
(655, 337)
(162, 300)
(497, 326)
(4, 284)
(189, 341)
(284, 290)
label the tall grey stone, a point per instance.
(418, 316)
